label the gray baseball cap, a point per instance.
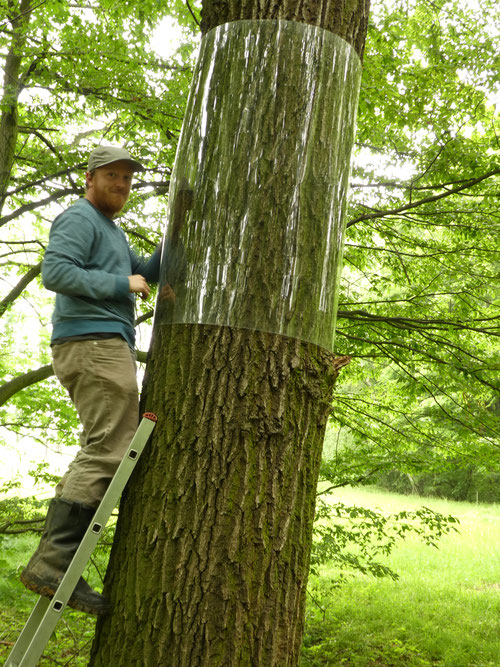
(104, 155)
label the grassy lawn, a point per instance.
(72, 638)
(444, 610)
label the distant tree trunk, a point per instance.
(211, 556)
(19, 16)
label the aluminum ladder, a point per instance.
(47, 612)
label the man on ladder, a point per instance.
(96, 276)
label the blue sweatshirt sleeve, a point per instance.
(65, 265)
(149, 268)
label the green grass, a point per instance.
(70, 644)
(444, 609)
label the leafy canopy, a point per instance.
(418, 310)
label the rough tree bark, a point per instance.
(346, 18)
(19, 17)
(211, 556)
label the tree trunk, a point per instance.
(210, 560)
(19, 17)
(346, 18)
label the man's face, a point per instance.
(108, 187)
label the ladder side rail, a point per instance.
(24, 639)
(38, 630)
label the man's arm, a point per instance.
(67, 255)
(149, 268)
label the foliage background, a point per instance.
(418, 406)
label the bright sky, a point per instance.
(166, 38)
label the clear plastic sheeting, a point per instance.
(255, 229)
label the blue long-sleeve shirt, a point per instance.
(87, 263)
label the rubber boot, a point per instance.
(65, 526)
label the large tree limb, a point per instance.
(23, 381)
(30, 378)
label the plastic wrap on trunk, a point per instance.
(257, 197)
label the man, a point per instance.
(96, 276)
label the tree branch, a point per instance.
(23, 381)
(39, 203)
(425, 200)
(192, 13)
(21, 285)
(419, 324)
(23, 12)
(20, 382)
(30, 525)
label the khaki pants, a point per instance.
(100, 378)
